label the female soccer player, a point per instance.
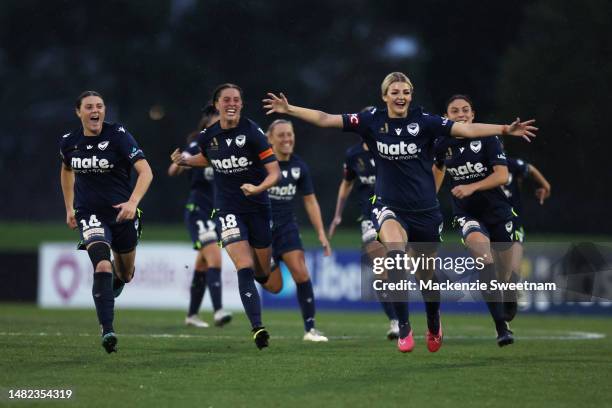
(97, 160)
(406, 208)
(202, 231)
(359, 165)
(478, 169)
(286, 241)
(245, 168)
(518, 171)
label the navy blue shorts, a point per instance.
(122, 237)
(285, 238)
(254, 227)
(201, 227)
(504, 231)
(425, 226)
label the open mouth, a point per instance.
(230, 111)
(94, 119)
(400, 104)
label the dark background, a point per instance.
(548, 59)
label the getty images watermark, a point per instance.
(406, 264)
(557, 272)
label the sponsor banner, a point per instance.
(162, 278)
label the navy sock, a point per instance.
(213, 280)
(401, 311)
(198, 287)
(249, 296)
(492, 298)
(432, 306)
(102, 292)
(386, 305)
(400, 308)
(305, 297)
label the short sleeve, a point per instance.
(440, 128)
(522, 168)
(193, 148)
(495, 152)
(128, 146)
(357, 122)
(440, 155)
(62, 152)
(260, 146)
(201, 141)
(348, 173)
(305, 181)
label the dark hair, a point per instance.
(217, 91)
(456, 97)
(208, 112)
(85, 95)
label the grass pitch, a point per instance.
(556, 361)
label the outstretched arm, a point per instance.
(474, 130)
(542, 192)
(495, 179)
(314, 214)
(343, 192)
(280, 104)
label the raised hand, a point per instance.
(521, 129)
(275, 104)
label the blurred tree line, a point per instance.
(156, 63)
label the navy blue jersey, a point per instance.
(295, 177)
(202, 191)
(102, 167)
(403, 149)
(518, 170)
(237, 156)
(468, 161)
(359, 164)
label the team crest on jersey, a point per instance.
(476, 146)
(413, 129)
(360, 164)
(285, 173)
(295, 172)
(240, 140)
(449, 154)
(103, 145)
(509, 226)
(384, 129)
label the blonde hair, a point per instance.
(277, 122)
(394, 77)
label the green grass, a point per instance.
(24, 236)
(358, 367)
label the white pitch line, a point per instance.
(573, 335)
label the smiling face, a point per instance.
(398, 98)
(91, 112)
(282, 139)
(460, 110)
(229, 106)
